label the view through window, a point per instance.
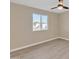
(40, 22)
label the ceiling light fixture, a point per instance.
(60, 5)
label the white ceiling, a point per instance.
(43, 4)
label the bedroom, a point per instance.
(52, 30)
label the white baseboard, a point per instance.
(31, 45)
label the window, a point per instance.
(40, 22)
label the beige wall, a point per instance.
(64, 25)
(21, 26)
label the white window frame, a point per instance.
(41, 15)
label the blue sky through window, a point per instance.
(40, 22)
(44, 19)
(36, 17)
